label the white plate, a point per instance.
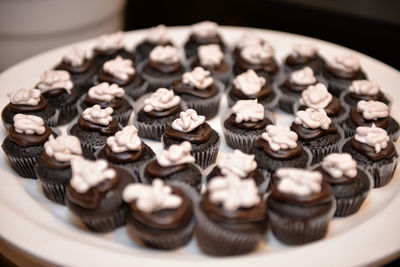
(48, 231)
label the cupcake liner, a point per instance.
(287, 101)
(24, 166)
(338, 85)
(270, 105)
(54, 192)
(152, 131)
(265, 186)
(300, 231)
(137, 92)
(318, 153)
(349, 206)
(95, 149)
(66, 113)
(107, 223)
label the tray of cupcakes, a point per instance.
(201, 141)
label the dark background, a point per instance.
(369, 26)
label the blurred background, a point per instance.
(28, 27)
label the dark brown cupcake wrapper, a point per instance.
(245, 143)
(265, 187)
(106, 223)
(67, 113)
(349, 206)
(54, 192)
(152, 131)
(24, 166)
(318, 153)
(139, 91)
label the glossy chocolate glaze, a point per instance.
(124, 157)
(164, 113)
(104, 76)
(341, 180)
(332, 109)
(53, 93)
(370, 152)
(110, 129)
(258, 125)
(282, 154)
(155, 170)
(343, 74)
(75, 70)
(295, 87)
(51, 162)
(293, 61)
(181, 88)
(264, 93)
(221, 68)
(271, 66)
(115, 103)
(359, 120)
(27, 108)
(378, 97)
(255, 175)
(108, 52)
(165, 68)
(306, 134)
(198, 136)
(28, 139)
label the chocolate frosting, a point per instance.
(75, 70)
(341, 180)
(198, 136)
(216, 171)
(206, 40)
(359, 120)
(126, 156)
(115, 103)
(108, 52)
(28, 139)
(271, 66)
(52, 163)
(164, 113)
(378, 97)
(306, 134)
(258, 125)
(295, 87)
(343, 74)
(106, 77)
(282, 154)
(294, 61)
(53, 93)
(370, 152)
(165, 68)
(181, 88)
(27, 108)
(166, 219)
(110, 129)
(221, 68)
(332, 109)
(92, 197)
(265, 92)
(155, 170)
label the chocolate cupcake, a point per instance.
(341, 72)
(243, 126)
(259, 58)
(174, 165)
(232, 217)
(278, 147)
(159, 110)
(109, 95)
(368, 113)
(60, 92)
(317, 133)
(292, 88)
(162, 68)
(202, 33)
(242, 165)
(122, 72)
(213, 59)
(374, 152)
(80, 67)
(248, 38)
(200, 91)
(109, 46)
(350, 184)
(317, 96)
(125, 150)
(193, 128)
(94, 126)
(363, 90)
(155, 36)
(94, 194)
(300, 206)
(304, 55)
(28, 101)
(160, 216)
(249, 85)
(53, 168)
(24, 143)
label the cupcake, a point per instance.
(246, 122)
(160, 216)
(174, 165)
(232, 217)
(94, 194)
(122, 72)
(292, 88)
(317, 96)
(248, 38)
(249, 85)
(28, 101)
(109, 95)
(202, 33)
(317, 133)
(159, 110)
(193, 128)
(79, 66)
(243, 166)
(109, 46)
(162, 68)
(259, 58)
(155, 36)
(342, 71)
(374, 152)
(24, 143)
(304, 55)
(350, 184)
(363, 90)
(53, 168)
(200, 91)
(60, 92)
(278, 147)
(368, 113)
(213, 59)
(94, 126)
(300, 206)
(125, 150)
